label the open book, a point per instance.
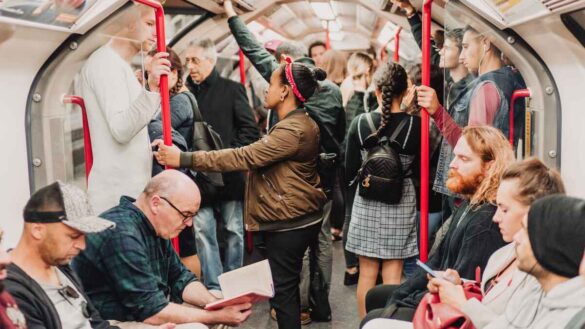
(249, 284)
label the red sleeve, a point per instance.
(448, 127)
(485, 103)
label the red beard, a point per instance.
(459, 184)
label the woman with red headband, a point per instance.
(284, 200)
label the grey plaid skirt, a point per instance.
(384, 231)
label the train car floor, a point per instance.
(342, 300)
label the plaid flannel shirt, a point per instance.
(130, 273)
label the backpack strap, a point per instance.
(370, 125)
(397, 131)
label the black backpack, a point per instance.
(205, 139)
(381, 176)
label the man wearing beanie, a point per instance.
(549, 247)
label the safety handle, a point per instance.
(87, 149)
(519, 93)
(424, 133)
(397, 44)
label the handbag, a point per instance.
(205, 138)
(432, 314)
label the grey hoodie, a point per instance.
(552, 311)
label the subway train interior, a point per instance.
(43, 48)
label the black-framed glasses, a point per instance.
(186, 215)
(68, 292)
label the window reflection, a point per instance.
(54, 12)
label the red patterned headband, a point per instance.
(291, 81)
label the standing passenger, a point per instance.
(119, 110)
(224, 105)
(381, 234)
(316, 51)
(283, 197)
(324, 106)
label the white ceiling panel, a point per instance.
(366, 18)
(295, 27)
(344, 8)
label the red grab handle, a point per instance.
(520, 93)
(87, 149)
(397, 45)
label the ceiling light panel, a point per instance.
(323, 10)
(344, 8)
(281, 16)
(366, 18)
(295, 27)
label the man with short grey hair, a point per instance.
(291, 49)
(224, 105)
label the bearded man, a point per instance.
(481, 155)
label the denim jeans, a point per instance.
(435, 221)
(206, 239)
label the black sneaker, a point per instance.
(350, 279)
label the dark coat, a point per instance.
(224, 105)
(36, 305)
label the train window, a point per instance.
(55, 128)
(575, 22)
(57, 13)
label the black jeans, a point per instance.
(285, 251)
(377, 305)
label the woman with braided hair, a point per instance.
(382, 234)
(284, 199)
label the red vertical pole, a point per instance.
(164, 79)
(397, 45)
(87, 149)
(424, 134)
(242, 68)
(516, 94)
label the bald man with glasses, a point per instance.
(132, 274)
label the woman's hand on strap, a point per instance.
(229, 8)
(167, 155)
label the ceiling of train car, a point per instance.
(354, 24)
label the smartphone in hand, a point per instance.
(428, 269)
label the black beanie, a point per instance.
(556, 229)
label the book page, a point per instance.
(256, 277)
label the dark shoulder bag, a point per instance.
(205, 138)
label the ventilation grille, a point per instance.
(558, 5)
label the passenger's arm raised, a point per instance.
(262, 60)
(280, 144)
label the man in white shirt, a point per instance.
(119, 110)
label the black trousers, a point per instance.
(285, 251)
(377, 305)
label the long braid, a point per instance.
(391, 81)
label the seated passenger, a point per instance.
(10, 315)
(56, 220)
(133, 274)
(284, 199)
(481, 155)
(549, 247)
(522, 183)
(119, 109)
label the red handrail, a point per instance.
(242, 68)
(424, 133)
(164, 79)
(87, 149)
(397, 45)
(520, 93)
